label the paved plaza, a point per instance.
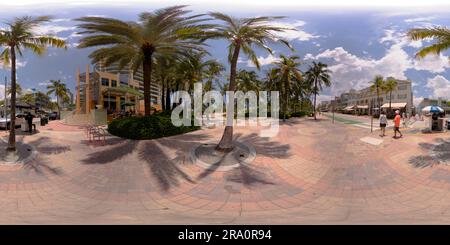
(313, 172)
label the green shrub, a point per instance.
(300, 113)
(147, 127)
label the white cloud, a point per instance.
(417, 100)
(53, 29)
(46, 83)
(419, 19)
(19, 63)
(432, 63)
(262, 60)
(440, 86)
(294, 33)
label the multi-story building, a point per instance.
(444, 104)
(362, 101)
(113, 89)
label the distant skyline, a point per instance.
(356, 44)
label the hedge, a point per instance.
(147, 127)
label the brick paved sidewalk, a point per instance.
(312, 172)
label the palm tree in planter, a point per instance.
(389, 86)
(318, 75)
(16, 37)
(242, 34)
(166, 31)
(377, 86)
(59, 89)
(441, 35)
(287, 69)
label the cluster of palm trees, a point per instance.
(383, 86)
(169, 45)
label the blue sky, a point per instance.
(356, 41)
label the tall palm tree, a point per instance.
(59, 89)
(377, 86)
(389, 86)
(441, 35)
(16, 37)
(242, 34)
(166, 31)
(287, 69)
(319, 75)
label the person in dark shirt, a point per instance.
(29, 119)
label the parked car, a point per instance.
(53, 116)
(5, 122)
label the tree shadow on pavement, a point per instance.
(436, 154)
(44, 145)
(41, 166)
(118, 149)
(248, 176)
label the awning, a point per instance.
(348, 108)
(362, 107)
(394, 105)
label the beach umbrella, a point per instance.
(432, 109)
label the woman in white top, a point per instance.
(383, 123)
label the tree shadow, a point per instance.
(41, 166)
(248, 176)
(119, 149)
(440, 152)
(45, 146)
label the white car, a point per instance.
(4, 122)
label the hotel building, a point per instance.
(360, 101)
(112, 89)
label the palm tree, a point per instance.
(59, 89)
(242, 34)
(440, 34)
(287, 69)
(19, 35)
(18, 89)
(377, 86)
(163, 32)
(389, 86)
(319, 75)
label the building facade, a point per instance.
(444, 104)
(365, 100)
(113, 89)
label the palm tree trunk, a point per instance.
(163, 94)
(147, 64)
(226, 143)
(390, 99)
(315, 95)
(168, 97)
(286, 84)
(12, 125)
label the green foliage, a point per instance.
(147, 127)
(300, 113)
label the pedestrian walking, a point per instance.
(383, 123)
(397, 119)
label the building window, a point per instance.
(105, 82)
(113, 83)
(402, 87)
(401, 96)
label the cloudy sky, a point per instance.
(357, 39)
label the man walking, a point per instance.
(397, 120)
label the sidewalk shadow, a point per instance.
(440, 151)
(248, 176)
(42, 166)
(46, 146)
